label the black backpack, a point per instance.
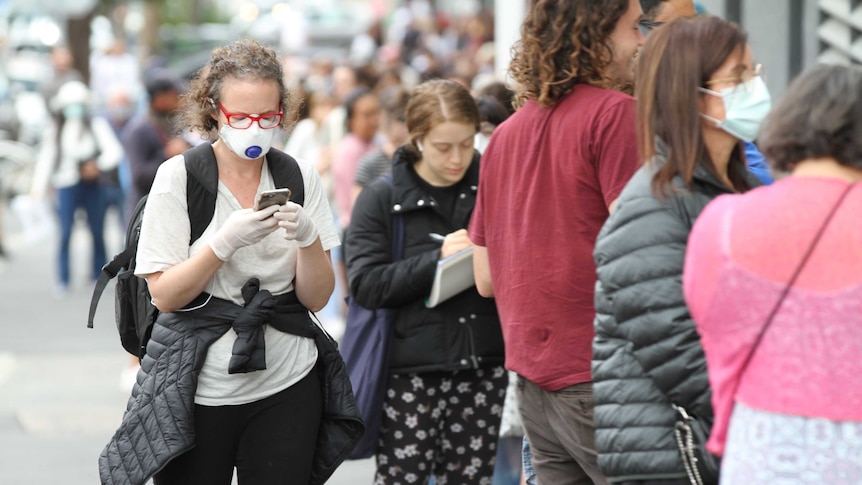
(133, 307)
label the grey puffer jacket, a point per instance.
(158, 424)
(647, 352)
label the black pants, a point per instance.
(270, 441)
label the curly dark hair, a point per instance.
(564, 43)
(820, 116)
(242, 59)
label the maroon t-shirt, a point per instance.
(546, 180)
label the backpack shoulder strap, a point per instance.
(286, 174)
(202, 183)
(120, 261)
(201, 187)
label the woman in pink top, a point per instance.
(363, 121)
(794, 413)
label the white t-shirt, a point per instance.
(164, 243)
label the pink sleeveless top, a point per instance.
(742, 251)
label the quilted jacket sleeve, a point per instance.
(375, 281)
(639, 300)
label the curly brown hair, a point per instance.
(563, 43)
(242, 59)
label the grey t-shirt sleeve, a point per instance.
(372, 166)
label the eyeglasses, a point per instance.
(646, 26)
(242, 121)
(746, 76)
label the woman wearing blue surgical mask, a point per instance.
(234, 301)
(700, 95)
(77, 151)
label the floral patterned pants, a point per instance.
(442, 423)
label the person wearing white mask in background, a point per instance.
(254, 402)
(77, 150)
(699, 95)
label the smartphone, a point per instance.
(272, 197)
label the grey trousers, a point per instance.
(560, 428)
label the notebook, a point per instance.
(454, 274)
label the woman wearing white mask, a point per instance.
(76, 150)
(257, 402)
(699, 95)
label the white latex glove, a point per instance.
(296, 224)
(242, 228)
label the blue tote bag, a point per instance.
(365, 350)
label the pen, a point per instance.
(436, 237)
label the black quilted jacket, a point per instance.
(647, 352)
(158, 424)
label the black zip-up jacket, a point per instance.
(647, 352)
(460, 333)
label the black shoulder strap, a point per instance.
(202, 183)
(286, 174)
(201, 187)
(789, 285)
(120, 261)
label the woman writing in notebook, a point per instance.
(447, 383)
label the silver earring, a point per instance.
(419, 146)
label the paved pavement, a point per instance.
(60, 398)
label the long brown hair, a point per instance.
(564, 43)
(676, 60)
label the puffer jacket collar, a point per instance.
(410, 195)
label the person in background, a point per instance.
(118, 109)
(63, 64)
(658, 13)
(343, 81)
(787, 396)
(491, 115)
(306, 137)
(447, 382)
(76, 150)
(693, 77)
(542, 200)
(112, 70)
(253, 403)
(150, 137)
(363, 120)
(394, 130)
(362, 110)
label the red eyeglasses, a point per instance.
(242, 121)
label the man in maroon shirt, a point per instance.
(548, 180)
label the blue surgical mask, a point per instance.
(745, 107)
(74, 111)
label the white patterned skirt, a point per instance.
(778, 449)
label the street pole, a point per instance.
(508, 16)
